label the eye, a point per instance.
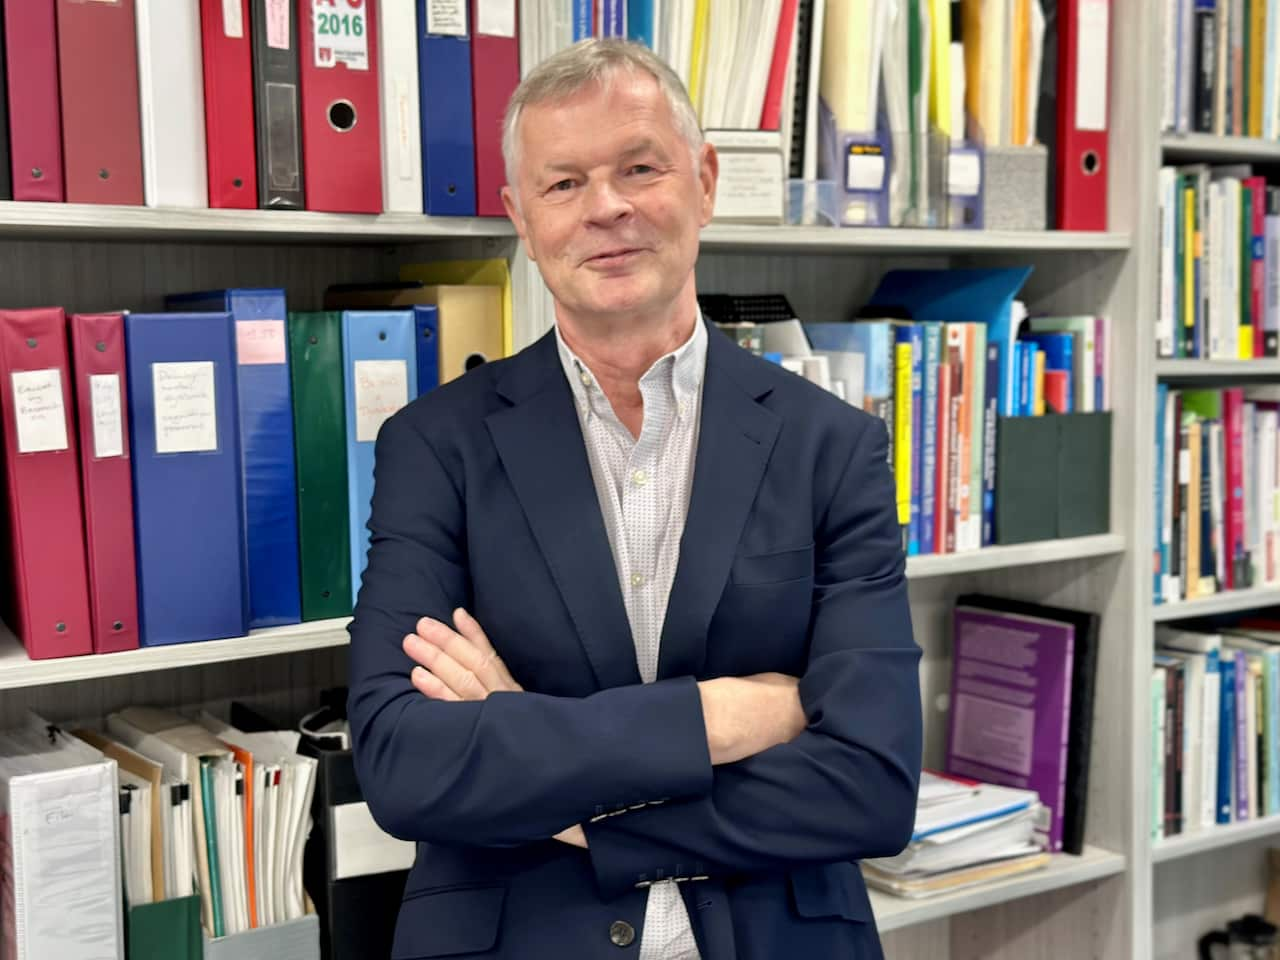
(640, 168)
(561, 186)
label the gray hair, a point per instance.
(596, 61)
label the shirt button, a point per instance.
(637, 580)
(683, 408)
(622, 933)
(585, 378)
(640, 478)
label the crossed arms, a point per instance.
(758, 774)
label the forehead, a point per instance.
(622, 106)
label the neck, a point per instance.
(619, 350)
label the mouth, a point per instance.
(613, 258)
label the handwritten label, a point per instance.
(496, 18)
(186, 414)
(1091, 65)
(39, 410)
(340, 34)
(259, 342)
(278, 24)
(447, 18)
(104, 400)
(406, 169)
(382, 388)
(750, 186)
(233, 19)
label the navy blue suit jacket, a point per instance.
(791, 561)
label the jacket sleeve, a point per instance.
(517, 767)
(845, 789)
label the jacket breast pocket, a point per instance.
(777, 567)
(448, 922)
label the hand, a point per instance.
(574, 836)
(748, 715)
(456, 665)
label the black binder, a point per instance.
(276, 107)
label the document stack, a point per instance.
(966, 832)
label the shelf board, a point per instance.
(1206, 146)
(1217, 369)
(1020, 555)
(1214, 838)
(17, 670)
(99, 221)
(720, 237)
(1063, 870)
(1229, 602)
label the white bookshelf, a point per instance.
(734, 237)
(1230, 601)
(1014, 557)
(1215, 839)
(898, 913)
(1184, 147)
(1217, 369)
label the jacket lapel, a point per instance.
(540, 444)
(735, 441)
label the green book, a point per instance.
(166, 930)
(319, 431)
(211, 843)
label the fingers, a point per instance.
(445, 668)
(430, 685)
(469, 647)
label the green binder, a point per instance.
(319, 429)
(168, 930)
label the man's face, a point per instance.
(611, 200)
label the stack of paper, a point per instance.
(966, 832)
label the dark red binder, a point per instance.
(101, 389)
(228, 104)
(35, 120)
(1081, 162)
(101, 129)
(341, 136)
(495, 74)
(47, 581)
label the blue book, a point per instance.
(188, 505)
(380, 377)
(933, 335)
(612, 16)
(265, 401)
(1226, 736)
(448, 139)
(640, 25)
(583, 20)
(982, 295)
(915, 337)
(1059, 354)
(1161, 548)
(426, 334)
(1026, 377)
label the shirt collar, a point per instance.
(687, 364)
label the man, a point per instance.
(632, 659)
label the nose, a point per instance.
(606, 204)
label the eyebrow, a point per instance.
(642, 146)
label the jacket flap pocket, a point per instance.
(441, 923)
(773, 567)
(831, 890)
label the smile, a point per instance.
(614, 258)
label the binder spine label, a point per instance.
(260, 342)
(278, 24)
(233, 19)
(340, 34)
(381, 388)
(447, 18)
(39, 410)
(104, 398)
(186, 413)
(496, 18)
(1092, 33)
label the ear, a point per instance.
(517, 220)
(708, 176)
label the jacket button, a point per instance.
(622, 933)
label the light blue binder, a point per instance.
(379, 337)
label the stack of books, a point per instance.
(966, 832)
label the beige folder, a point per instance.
(469, 321)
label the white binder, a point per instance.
(171, 95)
(401, 130)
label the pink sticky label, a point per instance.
(260, 341)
